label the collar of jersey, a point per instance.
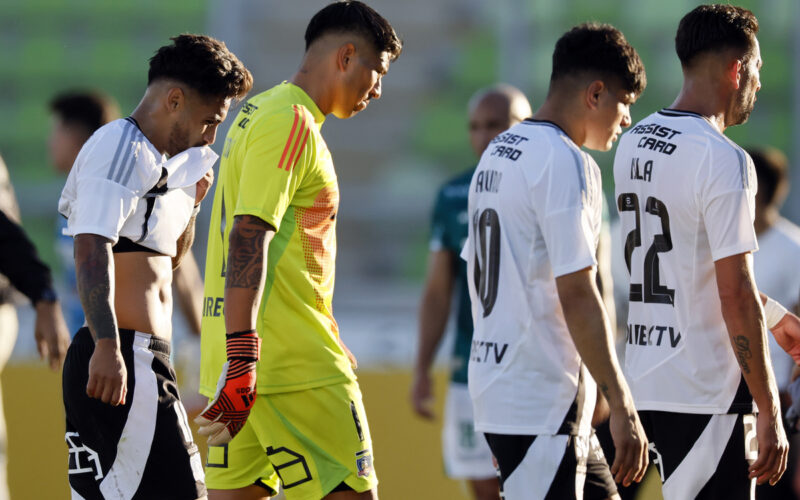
(306, 101)
(679, 112)
(548, 123)
(149, 144)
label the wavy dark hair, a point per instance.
(714, 28)
(204, 64)
(599, 49)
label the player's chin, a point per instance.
(603, 147)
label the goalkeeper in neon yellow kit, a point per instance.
(271, 253)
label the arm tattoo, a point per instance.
(94, 272)
(184, 243)
(246, 252)
(743, 352)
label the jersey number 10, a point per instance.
(486, 231)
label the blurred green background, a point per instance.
(452, 49)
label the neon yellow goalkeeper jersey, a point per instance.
(276, 166)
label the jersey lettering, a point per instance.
(481, 351)
(645, 173)
(488, 181)
(654, 335)
(212, 306)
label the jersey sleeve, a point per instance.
(278, 154)
(567, 220)
(728, 204)
(113, 170)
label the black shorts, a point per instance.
(702, 456)
(140, 450)
(551, 467)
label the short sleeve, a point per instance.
(569, 223)
(113, 170)
(279, 151)
(728, 205)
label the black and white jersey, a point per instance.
(686, 198)
(121, 186)
(535, 205)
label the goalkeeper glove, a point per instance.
(227, 413)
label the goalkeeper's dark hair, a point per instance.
(204, 64)
(601, 50)
(352, 16)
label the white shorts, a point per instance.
(466, 452)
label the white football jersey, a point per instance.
(773, 265)
(535, 205)
(121, 186)
(686, 198)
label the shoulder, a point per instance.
(568, 163)
(119, 152)
(730, 163)
(279, 121)
(112, 136)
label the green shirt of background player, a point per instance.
(491, 111)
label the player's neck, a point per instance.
(315, 80)
(148, 124)
(564, 115)
(703, 98)
(314, 85)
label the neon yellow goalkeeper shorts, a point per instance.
(309, 442)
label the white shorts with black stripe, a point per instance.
(552, 467)
(466, 453)
(140, 450)
(702, 456)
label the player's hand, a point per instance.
(787, 334)
(108, 377)
(50, 333)
(350, 355)
(203, 185)
(773, 447)
(422, 395)
(227, 413)
(630, 443)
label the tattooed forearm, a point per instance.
(94, 269)
(246, 253)
(184, 243)
(743, 352)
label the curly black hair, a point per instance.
(204, 64)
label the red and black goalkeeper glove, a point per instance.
(226, 414)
